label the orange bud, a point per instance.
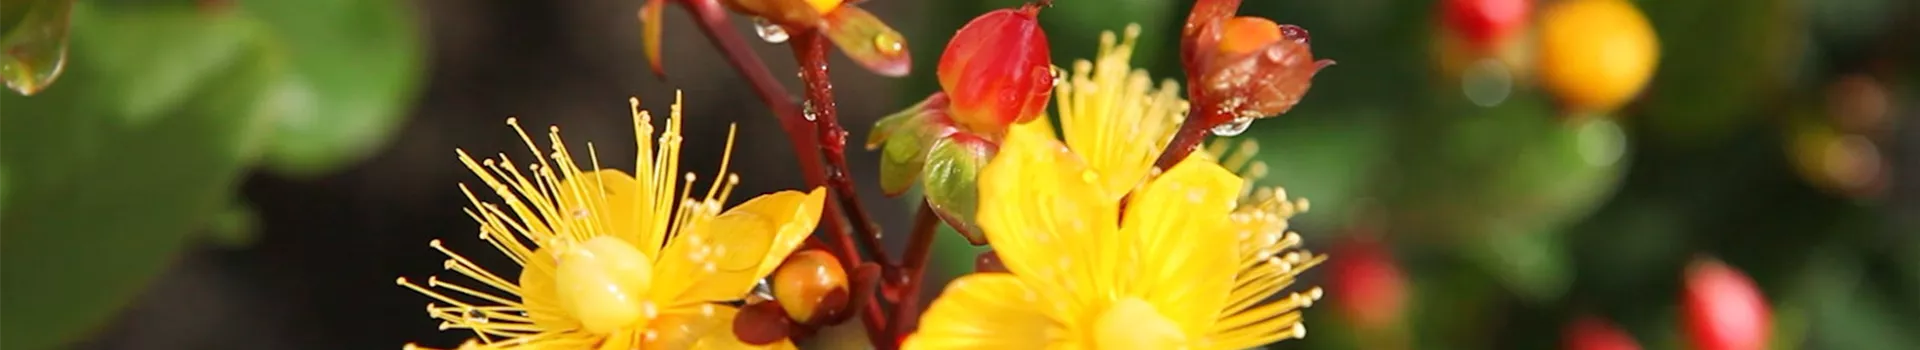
(1242, 35)
(997, 70)
(824, 6)
(1243, 68)
(811, 285)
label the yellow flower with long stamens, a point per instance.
(611, 260)
(1192, 260)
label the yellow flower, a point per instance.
(611, 260)
(1190, 260)
(1113, 116)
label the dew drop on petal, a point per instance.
(806, 111)
(768, 31)
(1234, 127)
(888, 44)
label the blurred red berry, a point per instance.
(1364, 282)
(1484, 23)
(1594, 333)
(997, 70)
(1723, 309)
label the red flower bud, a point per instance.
(997, 70)
(1243, 68)
(1594, 333)
(1486, 22)
(1365, 284)
(1723, 309)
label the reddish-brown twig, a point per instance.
(1187, 139)
(712, 20)
(906, 312)
(810, 50)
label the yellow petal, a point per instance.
(1042, 125)
(1187, 254)
(539, 295)
(985, 311)
(1047, 217)
(721, 259)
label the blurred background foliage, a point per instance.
(1777, 135)
(140, 137)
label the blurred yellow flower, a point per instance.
(611, 260)
(1105, 254)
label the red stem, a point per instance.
(810, 50)
(906, 313)
(712, 20)
(1187, 139)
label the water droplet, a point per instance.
(806, 110)
(770, 32)
(36, 48)
(1296, 33)
(1233, 128)
(1059, 76)
(889, 44)
(475, 316)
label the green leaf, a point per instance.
(1513, 169)
(1535, 266)
(951, 176)
(97, 206)
(1326, 158)
(353, 69)
(162, 54)
(1718, 62)
(236, 226)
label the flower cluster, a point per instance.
(1105, 232)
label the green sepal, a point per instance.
(903, 140)
(952, 174)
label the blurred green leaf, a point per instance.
(1325, 158)
(235, 226)
(1073, 31)
(1719, 61)
(3, 187)
(1534, 265)
(12, 12)
(107, 203)
(157, 56)
(1512, 169)
(353, 69)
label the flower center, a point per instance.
(603, 283)
(1131, 323)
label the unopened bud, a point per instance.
(997, 70)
